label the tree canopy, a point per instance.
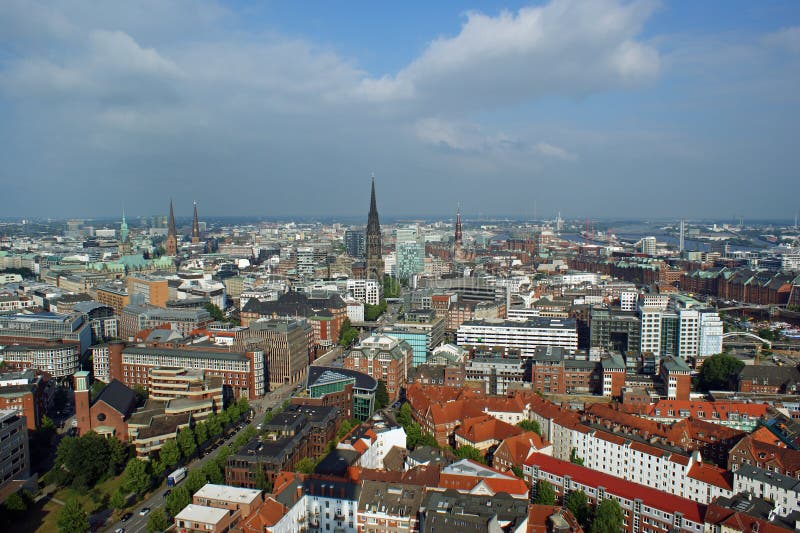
(578, 504)
(608, 517)
(470, 452)
(545, 495)
(530, 425)
(72, 518)
(136, 477)
(82, 462)
(716, 372)
(381, 395)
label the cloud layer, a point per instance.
(115, 104)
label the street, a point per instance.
(138, 524)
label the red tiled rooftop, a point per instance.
(663, 501)
(713, 475)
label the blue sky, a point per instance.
(589, 107)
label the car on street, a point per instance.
(119, 530)
(144, 511)
(126, 517)
(167, 492)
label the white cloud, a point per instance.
(550, 150)
(570, 47)
(788, 38)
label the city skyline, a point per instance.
(593, 109)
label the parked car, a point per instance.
(126, 517)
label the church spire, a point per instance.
(458, 236)
(373, 209)
(171, 244)
(374, 254)
(195, 227)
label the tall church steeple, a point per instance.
(195, 227)
(123, 229)
(373, 235)
(171, 244)
(458, 250)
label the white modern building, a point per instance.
(651, 330)
(523, 337)
(368, 291)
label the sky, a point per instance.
(594, 108)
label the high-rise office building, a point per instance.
(355, 243)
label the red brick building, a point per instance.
(766, 456)
(106, 414)
(27, 391)
(384, 359)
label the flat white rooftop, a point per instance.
(227, 493)
(202, 514)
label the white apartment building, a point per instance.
(688, 333)
(655, 467)
(783, 490)
(710, 334)
(651, 330)
(355, 309)
(654, 301)
(627, 300)
(524, 337)
(368, 291)
(378, 441)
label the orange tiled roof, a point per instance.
(519, 446)
(762, 434)
(713, 475)
(483, 428)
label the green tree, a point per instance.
(530, 425)
(157, 521)
(47, 424)
(517, 471)
(413, 436)
(213, 473)
(119, 453)
(545, 495)
(346, 427)
(404, 417)
(195, 479)
(215, 312)
(304, 466)
(244, 405)
(83, 462)
(186, 442)
(470, 452)
(72, 518)
(574, 458)
(136, 477)
(608, 517)
(260, 479)
(578, 504)
(222, 457)
(214, 426)
(717, 370)
(16, 503)
(170, 454)
(347, 333)
(381, 395)
(201, 433)
(117, 500)
(177, 500)
(428, 440)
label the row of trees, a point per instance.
(414, 435)
(607, 517)
(372, 312)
